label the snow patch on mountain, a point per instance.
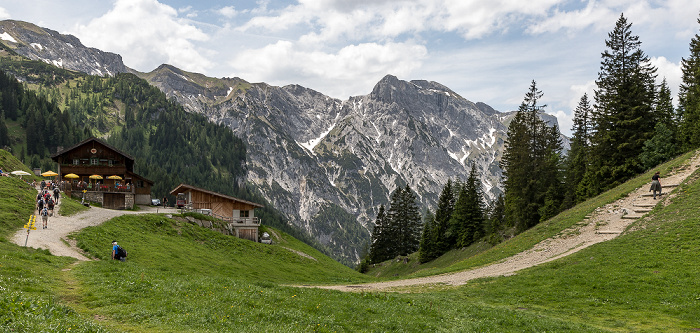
(311, 144)
(7, 37)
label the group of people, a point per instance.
(46, 200)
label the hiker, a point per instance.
(165, 202)
(56, 194)
(117, 252)
(655, 184)
(50, 205)
(40, 204)
(45, 217)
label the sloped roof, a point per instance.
(82, 143)
(183, 187)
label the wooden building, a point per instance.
(238, 214)
(94, 157)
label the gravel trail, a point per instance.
(604, 224)
(55, 239)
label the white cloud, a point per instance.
(4, 14)
(333, 20)
(228, 12)
(352, 68)
(671, 71)
(146, 33)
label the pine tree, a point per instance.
(662, 146)
(474, 224)
(578, 159)
(689, 98)
(623, 117)
(531, 164)
(446, 205)
(381, 239)
(408, 223)
(428, 250)
(495, 225)
(4, 137)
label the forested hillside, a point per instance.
(55, 108)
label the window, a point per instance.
(94, 161)
(76, 161)
(245, 213)
(139, 183)
(110, 163)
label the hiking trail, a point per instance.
(605, 223)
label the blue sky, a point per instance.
(486, 51)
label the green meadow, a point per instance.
(183, 278)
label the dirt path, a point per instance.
(55, 239)
(604, 224)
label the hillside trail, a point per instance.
(605, 223)
(55, 237)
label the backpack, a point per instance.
(121, 253)
(44, 212)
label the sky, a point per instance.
(485, 50)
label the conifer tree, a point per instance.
(689, 98)
(578, 159)
(623, 117)
(496, 221)
(474, 228)
(445, 207)
(662, 146)
(428, 250)
(381, 241)
(531, 164)
(406, 222)
(4, 137)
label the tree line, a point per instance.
(630, 126)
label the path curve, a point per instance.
(55, 239)
(604, 224)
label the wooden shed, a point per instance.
(239, 214)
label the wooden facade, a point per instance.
(239, 214)
(95, 157)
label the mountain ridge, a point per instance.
(326, 163)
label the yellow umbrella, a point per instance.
(49, 174)
(95, 177)
(114, 177)
(71, 175)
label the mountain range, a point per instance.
(325, 163)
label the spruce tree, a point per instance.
(473, 228)
(4, 137)
(381, 239)
(689, 98)
(495, 225)
(446, 204)
(531, 164)
(662, 146)
(578, 159)
(408, 223)
(428, 250)
(623, 117)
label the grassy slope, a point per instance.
(481, 254)
(183, 278)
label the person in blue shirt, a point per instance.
(115, 249)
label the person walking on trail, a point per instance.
(117, 252)
(655, 184)
(165, 202)
(45, 217)
(56, 194)
(50, 205)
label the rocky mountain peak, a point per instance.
(64, 51)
